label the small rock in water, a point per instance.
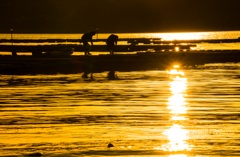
(110, 145)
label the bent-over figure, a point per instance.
(112, 42)
(85, 39)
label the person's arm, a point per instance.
(91, 41)
(116, 40)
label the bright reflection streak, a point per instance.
(178, 85)
(178, 155)
(176, 49)
(183, 36)
(177, 137)
(176, 66)
(175, 72)
(177, 105)
(178, 118)
(176, 134)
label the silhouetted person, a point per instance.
(111, 42)
(85, 39)
(111, 75)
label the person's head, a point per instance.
(93, 32)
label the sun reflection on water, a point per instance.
(178, 155)
(177, 105)
(174, 72)
(184, 36)
(176, 136)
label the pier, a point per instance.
(39, 47)
(139, 54)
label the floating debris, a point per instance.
(110, 145)
(35, 154)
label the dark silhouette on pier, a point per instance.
(112, 42)
(57, 58)
(112, 75)
(85, 39)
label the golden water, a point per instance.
(172, 113)
(175, 112)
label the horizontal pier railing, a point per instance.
(39, 49)
(128, 40)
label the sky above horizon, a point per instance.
(118, 16)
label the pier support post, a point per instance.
(14, 53)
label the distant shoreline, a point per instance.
(230, 30)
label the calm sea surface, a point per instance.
(173, 112)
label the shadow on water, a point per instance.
(89, 75)
(91, 64)
(98, 64)
(111, 75)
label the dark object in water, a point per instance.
(35, 154)
(110, 145)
